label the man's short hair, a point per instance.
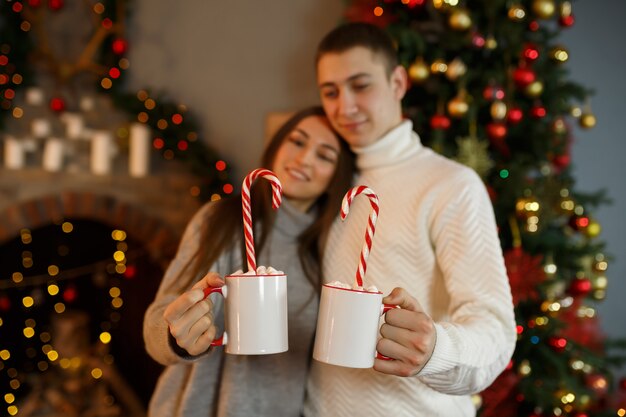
(351, 35)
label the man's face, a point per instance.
(361, 101)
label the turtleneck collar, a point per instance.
(291, 221)
(399, 144)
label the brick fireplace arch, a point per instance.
(153, 210)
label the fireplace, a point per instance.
(92, 250)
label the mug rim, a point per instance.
(255, 275)
(352, 290)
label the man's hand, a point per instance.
(408, 336)
(190, 316)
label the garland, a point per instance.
(24, 46)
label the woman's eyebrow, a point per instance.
(304, 133)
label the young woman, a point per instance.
(315, 168)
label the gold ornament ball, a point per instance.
(534, 89)
(576, 111)
(587, 120)
(593, 229)
(527, 206)
(559, 127)
(567, 206)
(517, 13)
(566, 9)
(600, 282)
(456, 69)
(438, 66)
(524, 368)
(418, 71)
(458, 107)
(544, 9)
(599, 295)
(559, 54)
(460, 20)
(600, 264)
(498, 110)
(491, 43)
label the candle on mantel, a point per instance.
(34, 96)
(139, 152)
(40, 127)
(13, 153)
(101, 152)
(53, 155)
(74, 124)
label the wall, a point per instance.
(233, 62)
(597, 60)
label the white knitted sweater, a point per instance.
(436, 237)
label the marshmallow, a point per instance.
(338, 284)
(261, 270)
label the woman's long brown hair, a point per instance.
(223, 227)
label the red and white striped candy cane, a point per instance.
(277, 190)
(371, 225)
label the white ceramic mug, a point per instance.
(255, 314)
(348, 326)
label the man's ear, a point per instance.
(399, 81)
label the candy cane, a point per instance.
(371, 225)
(277, 190)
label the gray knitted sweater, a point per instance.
(218, 384)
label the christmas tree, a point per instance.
(489, 88)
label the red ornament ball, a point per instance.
(55, 4)
(579, 223)
(530, 52)
(478, 40)
(558, 343)
(515, 115)
(561, 161)
(496, 130)
(622, 383)
(580, 286)
(523, 76)
(440, 121)
(566, 21)
(119, 46)
(492, 92)
(538, 112)
(57, 104)
(34, 3)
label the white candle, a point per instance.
(13, 153)
(101, 145)
(139, 152)
(74, 124)
(53, 155)
(40, 128)
(34, 96)
(86, 103)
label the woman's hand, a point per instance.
(190, 316)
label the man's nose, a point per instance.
(347, 103)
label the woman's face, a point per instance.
(306, 161)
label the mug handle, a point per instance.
(386, 308)
(220, 341)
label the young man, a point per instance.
(436, 250)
